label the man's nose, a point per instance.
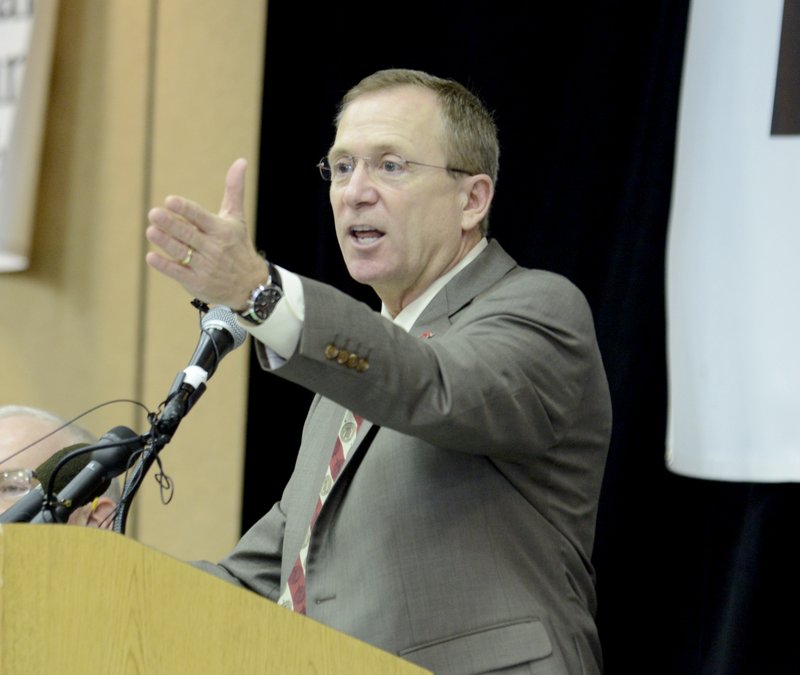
(362, 186)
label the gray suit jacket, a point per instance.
(460, 539)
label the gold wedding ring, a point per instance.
(188, 259)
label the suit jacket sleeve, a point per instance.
(517, 361)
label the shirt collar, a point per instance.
(411, 312)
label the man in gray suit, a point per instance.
(470, 417)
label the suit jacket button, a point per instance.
(362, 365)
(343, 356)
(352, 362)
(331, 352)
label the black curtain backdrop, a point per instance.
(689, 573)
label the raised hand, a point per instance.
(211, 255)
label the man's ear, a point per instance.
(102, 514)
(96, 514)
(478, 192)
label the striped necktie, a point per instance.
(294, 594)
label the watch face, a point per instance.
(265, 301)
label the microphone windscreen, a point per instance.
(224, 318)
(67, 472)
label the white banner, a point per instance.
(27, 33)
(733, 255)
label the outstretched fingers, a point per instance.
(231, 210)
(233, 198)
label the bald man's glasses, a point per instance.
(16, 483)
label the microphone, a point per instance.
(110, 457)
(30, 504)
(220, 334)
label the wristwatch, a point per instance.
(263, 298)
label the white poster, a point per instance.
(27, 32)
(733, 254)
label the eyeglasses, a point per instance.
(15, 483)
(388, 169)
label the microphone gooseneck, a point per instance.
(221, 333)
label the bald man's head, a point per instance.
(30, 436)
(21, 426)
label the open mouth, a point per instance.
(363, 234)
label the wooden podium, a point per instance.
(80, 600)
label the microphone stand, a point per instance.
(220, 334)
(162, 429)
(133, 482)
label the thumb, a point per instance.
(233, 198)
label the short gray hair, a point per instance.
(470, 140)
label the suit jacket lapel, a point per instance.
(485, 271)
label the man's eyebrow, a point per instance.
(376, 151)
